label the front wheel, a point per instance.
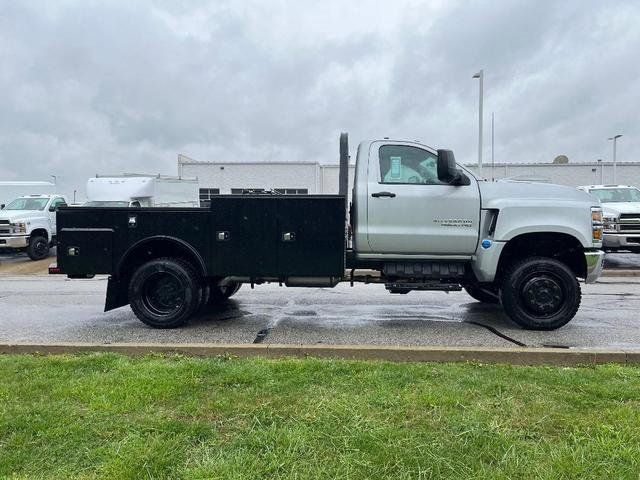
(540, 293)
(38, 248)
(165, 292)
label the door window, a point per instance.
(56, 203)
(408, 165)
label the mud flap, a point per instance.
(116, 294)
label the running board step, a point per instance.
(406, 287)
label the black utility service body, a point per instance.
(284, 238)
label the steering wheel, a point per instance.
(426, 173)
(413, 179)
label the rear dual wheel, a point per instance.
(218, 294)
(165, 292)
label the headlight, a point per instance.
(596, 224)
(19, 227)
(610, 222)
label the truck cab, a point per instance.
(404, 210)
(621, 215)
(28, 223)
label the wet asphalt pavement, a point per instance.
(622, 261)
(41, 309)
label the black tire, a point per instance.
(38, 248)
(481, 294)
(164, 293)
(218, 294)
(540, 293)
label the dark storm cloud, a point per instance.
(92, 87)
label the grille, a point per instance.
(4, 222)
(630, 217)
(624, 227)
(5, 230)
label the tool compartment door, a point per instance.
(311, 235)
(244, 236)
(85, 251)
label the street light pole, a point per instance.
(480, 76)
(614, 138)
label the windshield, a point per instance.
(27, 204)
(608, 195)
(106, 204)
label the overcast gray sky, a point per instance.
(104, 87)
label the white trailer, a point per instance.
(9, 191)
(138, 190)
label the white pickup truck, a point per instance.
(417, 222)
(621, 215)
(29, 224)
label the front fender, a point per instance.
(571, 218)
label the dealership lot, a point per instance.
(41, 309)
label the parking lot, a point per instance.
(40, 309)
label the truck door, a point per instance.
(410, 211)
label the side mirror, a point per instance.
(54, 208)
(2, 206)
(448, 170)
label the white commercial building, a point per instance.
(571, 174)
(312, 177)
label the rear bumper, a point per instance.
(15, 241)
(595, 264)
(621, 240)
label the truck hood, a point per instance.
(497, 194)
(21, 215)
(611, 209)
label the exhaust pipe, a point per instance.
(343, 184)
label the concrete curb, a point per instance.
(515, 356)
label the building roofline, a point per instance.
(184, 160)
(222, 164)
(543, 164)
(25, 184)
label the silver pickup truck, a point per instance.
(417, 221)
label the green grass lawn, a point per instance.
(112, 416)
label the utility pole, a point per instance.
(480, 76)
(614, 138)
